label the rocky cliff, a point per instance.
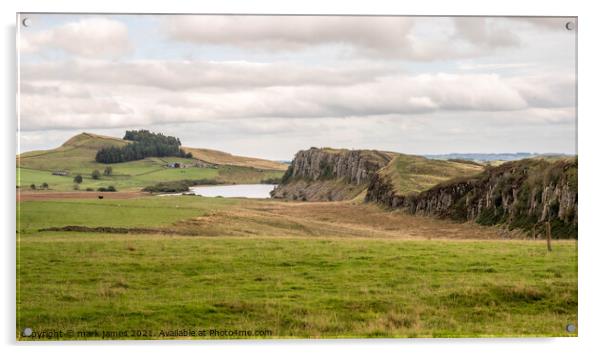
(521, 194)
(330, 174)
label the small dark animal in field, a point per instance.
(100, 197)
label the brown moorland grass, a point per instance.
(345, 219)
(224, 158)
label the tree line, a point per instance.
(144, 144)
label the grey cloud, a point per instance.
(381, 37)
(549, 90)
(364, 36)
(485, 33)
(291, 32)
(183, 75)
(119, 105)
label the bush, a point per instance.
(95, 174)
(32, 186)
(178, 186)
(45, 185)
(108, 171)
(89, 189)
(272, 180)
(111, 189)
(78, 179)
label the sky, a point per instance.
(268, 86)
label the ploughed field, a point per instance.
(144, 265)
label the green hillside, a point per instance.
(223, 158)
(76, 156)
(409, 173)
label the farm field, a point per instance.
(284, 269)
(77, 156)
(133, 176)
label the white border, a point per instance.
(590, 149)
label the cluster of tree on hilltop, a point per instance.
(145, 144)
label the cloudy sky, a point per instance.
(268, 86)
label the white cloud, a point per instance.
(188, 74)
(422, 39)
(90, 37)
(375, 37)
(293, 32)
(91, 93)
(485, 33)
(404, 84)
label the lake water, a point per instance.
(235, 190)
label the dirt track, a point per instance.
(25, 196)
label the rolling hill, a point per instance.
(340, 174)
(77, 156)
(223, 158)
(411, 174)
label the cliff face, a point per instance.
(521, 194)
(329, 174)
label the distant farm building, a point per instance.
(174, 165)
(60, 173)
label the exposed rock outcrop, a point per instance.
(521, 194)
(330, 174)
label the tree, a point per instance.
(108, 171)
(45, 185)
(95, 174)
(33, 186)
(78, 179)
(143, 144)
(111, 189)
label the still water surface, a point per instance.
(235, 190)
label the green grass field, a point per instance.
(413, 174)
(302, 283)
(138, 174)
(77, 156)
(138, 212)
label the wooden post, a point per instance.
(549, 235)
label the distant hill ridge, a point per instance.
(83, 147)
(512, 156)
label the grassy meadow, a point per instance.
(412, 174)
(133, 176)
(284, 269)
(77, 156)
